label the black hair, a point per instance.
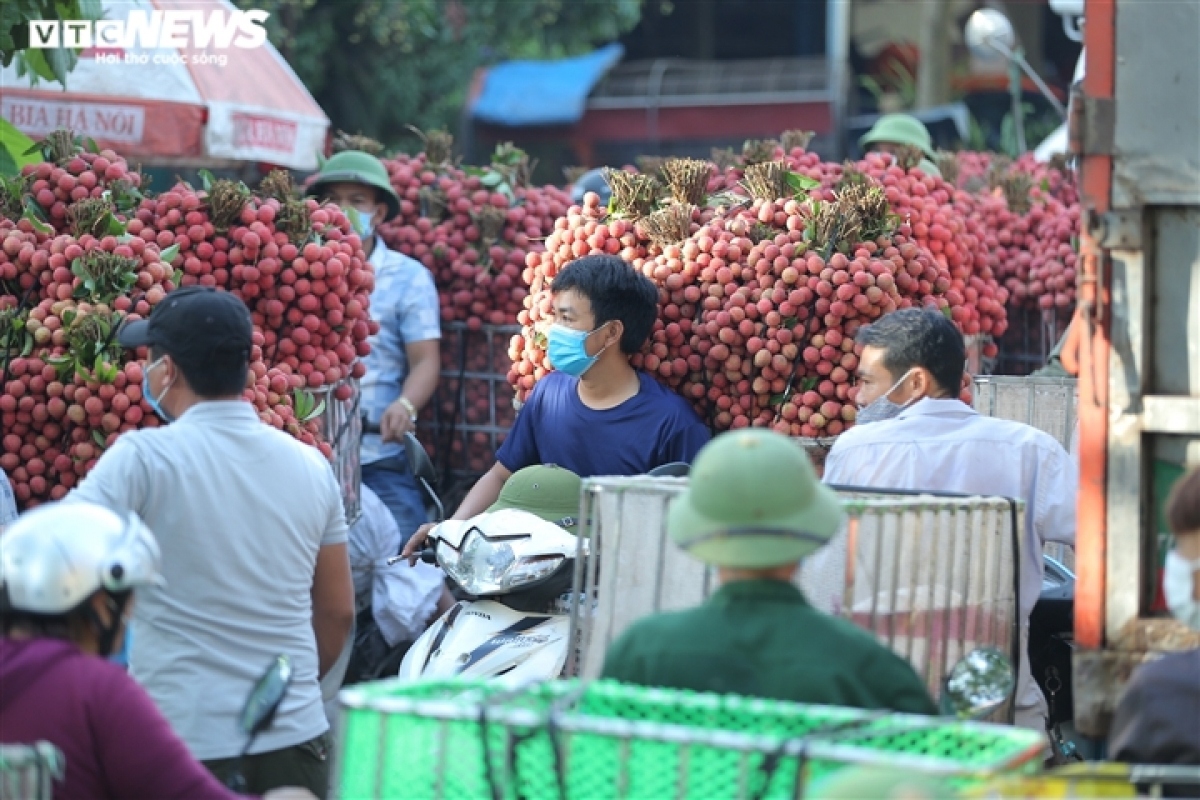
(917, 337)
(65, 625)
(218, 373)
(1183, 504)
(616, 291)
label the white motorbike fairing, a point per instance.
(484, 639)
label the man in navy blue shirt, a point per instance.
(595, 414)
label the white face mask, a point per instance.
(1179, 578)
(881, 407)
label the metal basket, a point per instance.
(933, 577)
(568, 739)
(467, 421)
(341, 424)
(28, 771)
(1047, 404)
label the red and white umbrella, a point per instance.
(177, 104)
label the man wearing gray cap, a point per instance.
(253, 540)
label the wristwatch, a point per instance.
(409, 407)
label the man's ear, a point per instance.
(381, 210)
(613, 332)
(922, 383)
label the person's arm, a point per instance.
(1131, 725)
(333, 604)
(1057, 487)
(418, 322)
(518, 451)
(333, 583)
(897, 684)
(425, 369)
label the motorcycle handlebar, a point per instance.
(428, 555)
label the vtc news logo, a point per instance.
(154, 30)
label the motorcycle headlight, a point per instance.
(486, 566)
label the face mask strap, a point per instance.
(158, 400)
(107, 634)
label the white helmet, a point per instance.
(55, 557)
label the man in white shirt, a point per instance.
(253, 538)
(914, 433)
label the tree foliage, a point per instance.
(51, 64)
(377, 66)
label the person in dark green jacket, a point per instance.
(754, 508)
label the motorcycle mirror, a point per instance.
(266, 697)
(990, 35)
(418, 460)
(676, 469)
(978, 684)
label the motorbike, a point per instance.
(512, 572)
(1051, 643)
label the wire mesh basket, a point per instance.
(341, 424)
(28, 771)
(569, 739)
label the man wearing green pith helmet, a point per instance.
(753, 509)
(404, 364)
(893, 131)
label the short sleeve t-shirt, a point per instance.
(654, 427)
(240, 511)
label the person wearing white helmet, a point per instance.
(68, 573)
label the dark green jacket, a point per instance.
(762, 638)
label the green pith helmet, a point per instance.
(355, 166)
(900, 129)
(753, 501)
(549, 492)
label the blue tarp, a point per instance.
(518, 93)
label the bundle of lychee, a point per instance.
(69, 389)
(1031, 216)
(472, 227)
(762, 289)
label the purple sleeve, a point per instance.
(142, 756)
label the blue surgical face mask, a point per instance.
(363, 222)
(1179, 578)
(155, 402)
(882, 408)
(567, 349)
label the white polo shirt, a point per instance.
(240, 511)
(945, 445)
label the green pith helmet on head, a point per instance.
(355, 166)
(753, 502)
(546, 491)
(900, 129)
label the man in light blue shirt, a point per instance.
(404, 364)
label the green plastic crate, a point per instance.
(567, 740)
